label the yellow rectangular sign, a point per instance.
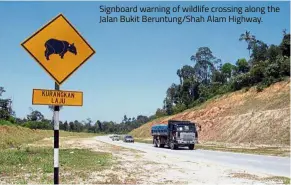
(54, 97)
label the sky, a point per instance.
(134, 63)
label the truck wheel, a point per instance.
(172, 146)
(191, 147)
(155, 143)
(159, 143)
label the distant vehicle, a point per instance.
(115, 138)
(128, 139)
(176, 134)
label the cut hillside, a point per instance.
(244, 116)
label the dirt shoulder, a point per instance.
(129, 166)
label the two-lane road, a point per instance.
(278, 166)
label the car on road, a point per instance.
(115, 138)
(128, 139)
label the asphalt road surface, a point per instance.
(278, 166)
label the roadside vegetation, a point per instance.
(15, 136)
(36, 164)
(207, 78)
(26, 156)
(280, 179)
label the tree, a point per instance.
(273, 52)
(168, 106)
(66, 126)
(285, 45)
(249, 39)
(242, 66)
(89, 122)
(284, 32)
(72, 126)
(99, 125)
(259, 52)
(204, 64)
(124, 119)
(160, 112)
(2, 90)
(219, 77)
(186, 72)
(179, 73)
(35, 115)
(173, 94)
(227, 70)
(6, 111)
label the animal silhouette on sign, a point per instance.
(54, 46)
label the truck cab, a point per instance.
(182, 133)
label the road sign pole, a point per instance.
(56, 140)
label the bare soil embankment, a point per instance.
(245, 117)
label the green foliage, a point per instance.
(285, 45)
(257, 72)
(5, 107)
(219, 77)
(38, 125)
(273, 52)
(260, 87)
(206, 79)
(249, 39)
(12, 119)
(284, 63)
(227, 69)
(260, 51)
(4, 122)
(205, 63)
(242, 66)
(179, 108)
(160, 113)
(35, 116)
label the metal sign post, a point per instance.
(56, 140)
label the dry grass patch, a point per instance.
(277, 179)
(15, 136)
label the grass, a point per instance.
(15, 136)
(143, 141)
(284, 180)
(3, 122)
(273, 151)
(37, 164)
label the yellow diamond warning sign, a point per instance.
(59, 48)
(54, 97)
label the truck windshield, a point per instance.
(190, 128)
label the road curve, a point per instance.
(272, 165)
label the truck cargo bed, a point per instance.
(158, 130)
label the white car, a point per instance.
(115, 138)
(128, 139)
